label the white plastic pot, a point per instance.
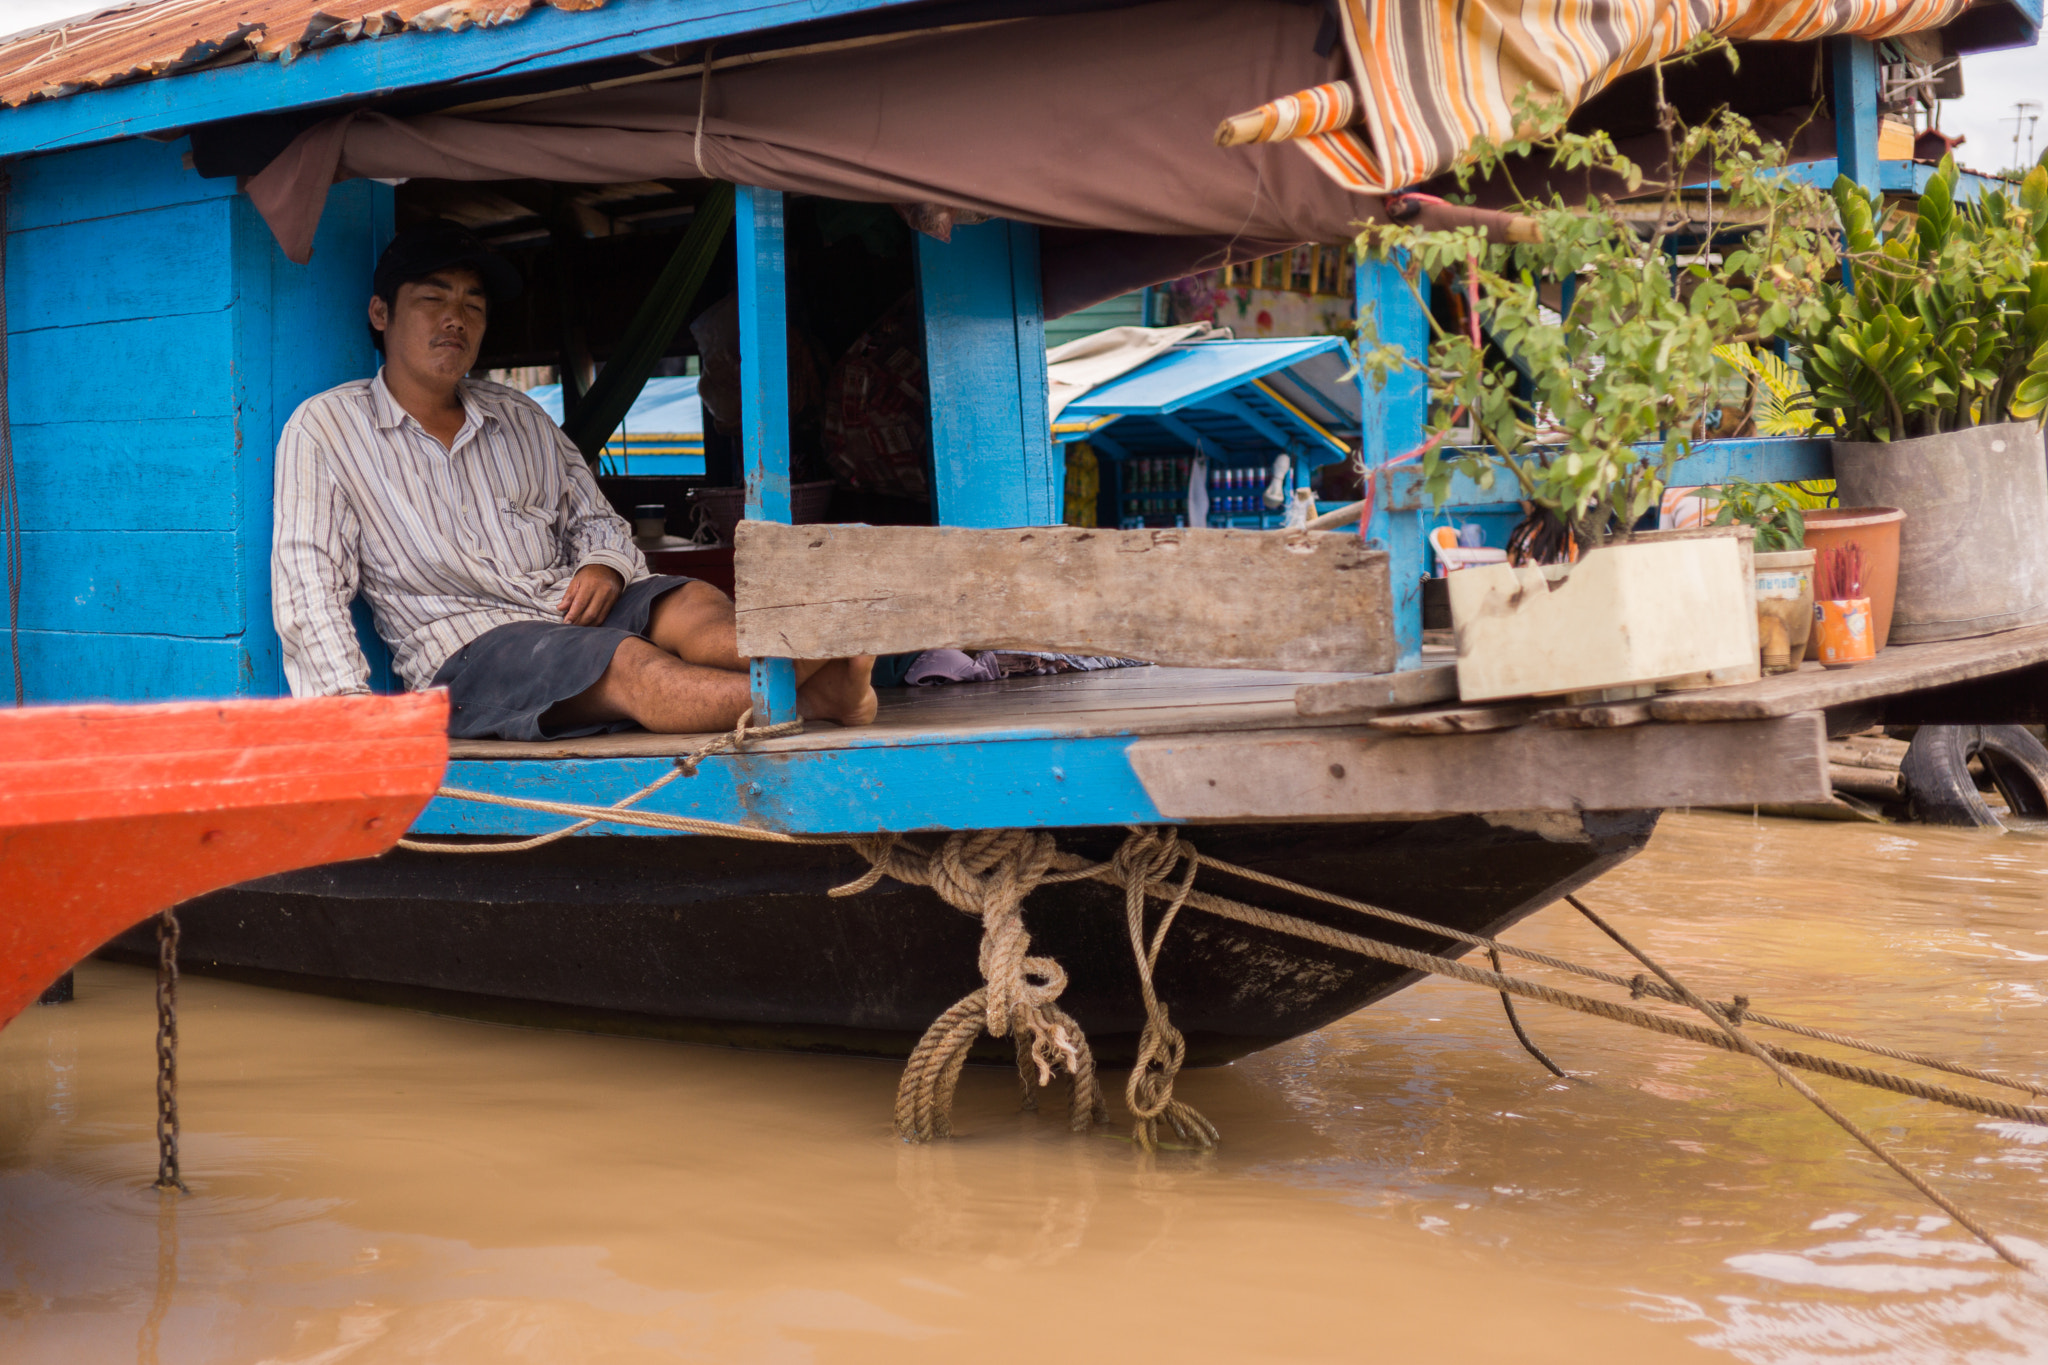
(1784, 607)
(1658, 609)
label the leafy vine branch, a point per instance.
(1598, 335)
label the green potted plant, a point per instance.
(1583, 368)
(1931, 364)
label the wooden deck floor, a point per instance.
(1119, 701)
(1157, 701)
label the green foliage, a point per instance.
(1772, 509)
(1944, 323)
(1561, 404)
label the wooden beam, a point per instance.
(764, 407)
(1852, 93)
(993, 462)
(1388, 692)
(1394, 417)
(1895, 672)
(1220, 599)
(1358, 773)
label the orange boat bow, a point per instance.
(108, 814)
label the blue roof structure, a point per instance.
(1261, 396)
(663, 432)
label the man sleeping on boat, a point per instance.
(492, 563)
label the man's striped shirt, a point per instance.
(445, 543)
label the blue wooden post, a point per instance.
(993, 460)
(1394, 420)
(1852, 93)
(764, 405)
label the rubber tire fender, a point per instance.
(1936, 770)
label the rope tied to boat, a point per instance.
(1143, 868)
(1143, 865)
(987, 874)
(741, 735)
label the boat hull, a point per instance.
(110, 813)
(737, 942)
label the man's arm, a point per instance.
(596, 538)
(594, 533)
(314, 573)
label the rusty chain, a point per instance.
(167, 1176)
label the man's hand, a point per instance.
(590, 596)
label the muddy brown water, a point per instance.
(371, 1184)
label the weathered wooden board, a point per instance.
(1602, 716)
(95, 372)
(1896, 670)
(1455, 720)
(61, 667)
(125, 259)
(184, 583)
(1423, 686)
(1219, 599)
(103, 182)
(1358, 773)
(168, 474)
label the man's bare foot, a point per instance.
(843, 690)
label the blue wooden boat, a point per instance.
(159, 337)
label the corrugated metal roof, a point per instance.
(165, 37)
(1234, 395)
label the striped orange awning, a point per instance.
(1430, 77)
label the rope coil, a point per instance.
(987, 874)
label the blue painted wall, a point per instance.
(157, 343)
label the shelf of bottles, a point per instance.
(1153, 491)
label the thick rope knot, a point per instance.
(987, 874)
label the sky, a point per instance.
(1992, 82)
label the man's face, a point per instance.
(435, 327)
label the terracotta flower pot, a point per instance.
(1876, 530)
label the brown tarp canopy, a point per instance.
(1098, 123)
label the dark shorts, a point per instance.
(502, 682)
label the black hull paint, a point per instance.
(736, 942)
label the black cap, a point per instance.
(437, 244)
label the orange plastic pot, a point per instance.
(1842, 633)
(1876, 530)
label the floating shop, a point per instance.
(196, 193)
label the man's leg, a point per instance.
(695, 624)
(657, 691)
(666, 695)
